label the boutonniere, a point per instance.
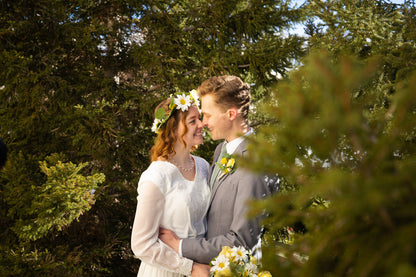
(226, 164)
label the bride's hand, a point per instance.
(170, 238)
(200, 270)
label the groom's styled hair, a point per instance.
(228, 92)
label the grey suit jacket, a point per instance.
(226, 217)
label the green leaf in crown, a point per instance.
(160, 113)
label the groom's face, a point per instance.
(214, 118)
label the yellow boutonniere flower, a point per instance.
(223, 161)
(227, 164)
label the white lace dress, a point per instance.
(168, 200)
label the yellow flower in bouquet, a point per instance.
(226, 251)
(236, 262)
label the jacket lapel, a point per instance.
(215, 158)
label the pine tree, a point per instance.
(188, 41)
(78, 84)
(343, 142)
(60, 97)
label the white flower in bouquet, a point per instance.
(236, 262)
(220, 264)
(239, 254)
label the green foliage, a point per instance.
(59, 94)
(187, 41)
(353, 158)
(65, 196)
(82, 78)
(341, 136)
(366, 29)
(21, 261)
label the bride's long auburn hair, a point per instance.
(166, 138)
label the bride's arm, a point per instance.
(144, 239)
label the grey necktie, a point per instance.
(216, 168)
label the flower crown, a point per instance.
(178, 101)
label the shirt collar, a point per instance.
(232, 145)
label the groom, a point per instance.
(225, 106)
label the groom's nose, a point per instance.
(200, 124)
(204, 122)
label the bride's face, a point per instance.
(193, 136)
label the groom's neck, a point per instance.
(239, 129)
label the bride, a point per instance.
(173, 191)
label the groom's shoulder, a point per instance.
(253, 183)
(248, 176)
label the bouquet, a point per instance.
(236, 262)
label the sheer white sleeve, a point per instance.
(144, 240)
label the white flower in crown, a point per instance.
(155, 126)
(195, 97)
(182, 102)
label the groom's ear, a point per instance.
(232, 113)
